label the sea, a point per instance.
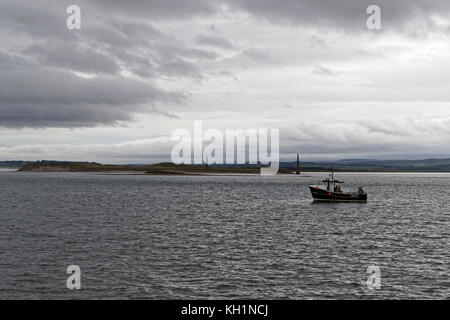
(222, 237)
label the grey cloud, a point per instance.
(199, 54)
(147, 51)
(313, 140)
(369, 53)
(215, 41)
(411, 16)
(39, 19)
(345, 14)
(146, 150)
(407, 128)
(38, 85)
(317, 42)
(70, 56)
(228, 74)
(158, 9)
(257, 54)
(376, 138)
(179, 68)
(324, 71)
(60, 99)
(10, 62)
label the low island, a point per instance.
(165, 168)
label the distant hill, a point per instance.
(363, 165)
(12, 164)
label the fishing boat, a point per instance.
(332, 192)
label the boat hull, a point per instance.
(320, 194)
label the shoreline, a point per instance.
(187, 173)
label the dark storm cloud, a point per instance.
(41, 19)
(40, 84)
(348, 15)
(56, 98)
(159, 9)
(325, 13)
(40, 58)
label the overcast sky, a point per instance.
(116, 89)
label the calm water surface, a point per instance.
(161, 237)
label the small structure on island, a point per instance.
(297, 170)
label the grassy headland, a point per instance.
(164, 168)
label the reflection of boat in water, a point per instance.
(333, 193)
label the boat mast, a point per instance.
(332, 177)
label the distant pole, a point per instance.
(206, 163)
(297, 171)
